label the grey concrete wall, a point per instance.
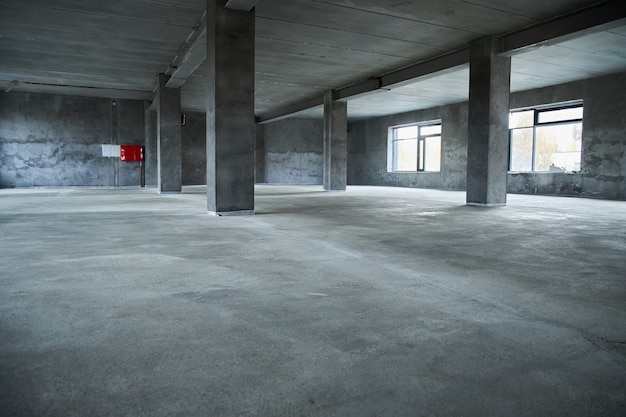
(48, 140)
(193, 136)
(130, 131)
(603, 172)
(367, 150)
(294, 151)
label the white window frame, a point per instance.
(421, 145)
(537, 110)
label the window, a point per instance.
(415, 147)
(546, 139)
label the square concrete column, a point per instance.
(230, 123)
(335, 144)
(169, 153)
(488, 135)
(150, 146)
(259, 154)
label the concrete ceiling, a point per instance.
(303, 47)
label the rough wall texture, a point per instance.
(603, 168)
(48, 140)
(604, 138)
(193, 136)
(603, 172)
(367, 150)
(294, 151)
(130, 131)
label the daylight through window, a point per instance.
(546, 139)
(415, 147)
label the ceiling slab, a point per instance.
(297, 33)
(458, 15)
(122, 26)
(549, 66)
(303, 49)
(362, 21)
(77, 47)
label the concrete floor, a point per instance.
(372, 302)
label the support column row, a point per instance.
(231, 127)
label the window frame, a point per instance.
(537, 111)
(421, 148)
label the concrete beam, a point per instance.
(358, 89)
(289, 110)
(595, 18)
(75, 90)
(190, 56)
(440, 63)
(139, 81)
(243, 5)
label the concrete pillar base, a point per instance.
(485, 204)
(232, 213)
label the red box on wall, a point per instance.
(131, 153)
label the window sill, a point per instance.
(544, 172)
(414, 172)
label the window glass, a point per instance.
(558, 147)
(522, 149)
(407, 132)
(521, 119)
(574, 113)
(432, 153)
(406, 155)
(430, 130)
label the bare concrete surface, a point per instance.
(372, 302)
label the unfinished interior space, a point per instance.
(312, 208)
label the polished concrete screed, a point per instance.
(372, 302)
